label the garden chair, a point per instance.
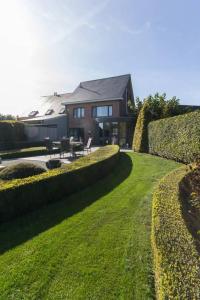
(64, 147)
(88, 146)
(49, 146)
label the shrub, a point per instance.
(23, 195)
(176, 260)
(176, 138)
(140, 139)
(53, 163)
(20, 170)
(11, 132)
(152, 108)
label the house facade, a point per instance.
(48, 119)
(97, 108)
(100, 108)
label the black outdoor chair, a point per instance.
(49, 145)
(64, 147)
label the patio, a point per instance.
(41, 160)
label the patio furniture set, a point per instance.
(68, 145)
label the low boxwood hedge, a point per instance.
(176, 138)
(21, 170)
(23, 195)
(176, 260)
(27, 152)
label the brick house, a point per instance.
(99, 108)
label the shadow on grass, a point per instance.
(24, 228)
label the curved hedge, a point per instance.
(23, 195)
(176, 260)
(176, 138)
(140, 138)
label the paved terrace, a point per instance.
(41, 160)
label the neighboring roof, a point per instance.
(53, 102)
(43, 118)
(186, 107)
(111, 88)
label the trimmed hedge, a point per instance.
(11, 133)
(20, 196)
(176, 260)
(140, 138)
(176, 138)
(28, 152)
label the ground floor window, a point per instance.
(76, 133)
(112, 133)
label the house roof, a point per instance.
(111, 88)
(51, 102)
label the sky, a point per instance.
(52, 45)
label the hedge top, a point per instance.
(97, 156)
(176, 138)
(177, 262)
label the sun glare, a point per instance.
(17, 45)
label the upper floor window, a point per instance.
(79, 112)
(49, 112)
(102, 111)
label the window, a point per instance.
(79, 112)
(62, 110)
(77, 133)
(49, 112)
(33, 113)
(102, 111)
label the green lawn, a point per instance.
(92, 245)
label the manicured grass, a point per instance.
(92, 245)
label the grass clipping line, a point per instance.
(176, 260)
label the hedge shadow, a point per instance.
(22, 229)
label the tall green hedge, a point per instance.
(176, 259)
(11, 132)
(176, 138)
(140, 138)
(23, 195)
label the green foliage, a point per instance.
(159, 106)
(177, 262)
(11, 132)
(176, 138)
(103, 230)
(22, 195)
(140, 139)
(21, 170)
(7, 117)
(152, 108)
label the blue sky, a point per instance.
(52, 45)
